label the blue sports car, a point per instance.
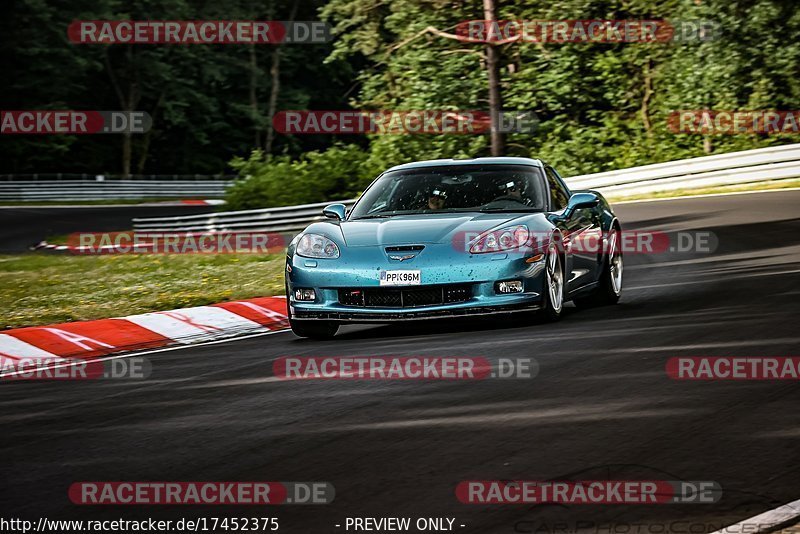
(454, 237)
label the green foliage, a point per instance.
(199, 96)
(337, 173)
(601, 106)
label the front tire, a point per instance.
(311, 329)
(553, 289)
(314, 329)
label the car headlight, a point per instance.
(507, 238)
(316, 246)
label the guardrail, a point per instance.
(100, 177)
(284, 219)
(773, 163)
(42, 190)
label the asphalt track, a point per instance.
(24, 226)
(601, 406)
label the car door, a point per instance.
(581, 230)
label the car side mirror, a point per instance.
(335, 211)
(580, 201)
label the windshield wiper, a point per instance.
(507, 210)
(371, 217)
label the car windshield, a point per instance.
(454, 188)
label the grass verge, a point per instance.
(41, 288)
(770, 185)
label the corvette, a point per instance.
(449, 238)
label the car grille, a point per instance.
(412, 297)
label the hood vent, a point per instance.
(405, 248)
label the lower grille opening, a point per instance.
(412, 297)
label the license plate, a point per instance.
(400, 278)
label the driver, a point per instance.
(437, 198)
(513, 189)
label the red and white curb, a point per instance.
(94, 339)
(44, 245)
(211, 202)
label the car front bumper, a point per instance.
(326, 277)
(377, 315)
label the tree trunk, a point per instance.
(254, 96)
(145, 148)
(275, 75)
(128, 103)
(126, 155)
(493, 69)
(648, 93)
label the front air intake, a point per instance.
(412, 297)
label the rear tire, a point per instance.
(609, 286)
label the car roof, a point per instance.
(468, 161)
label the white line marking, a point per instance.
(768, 521)
(244, 382)
(737, 276)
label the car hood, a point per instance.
(429, 228)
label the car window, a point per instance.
(383, 199)
(559, 196)
(453, 188)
